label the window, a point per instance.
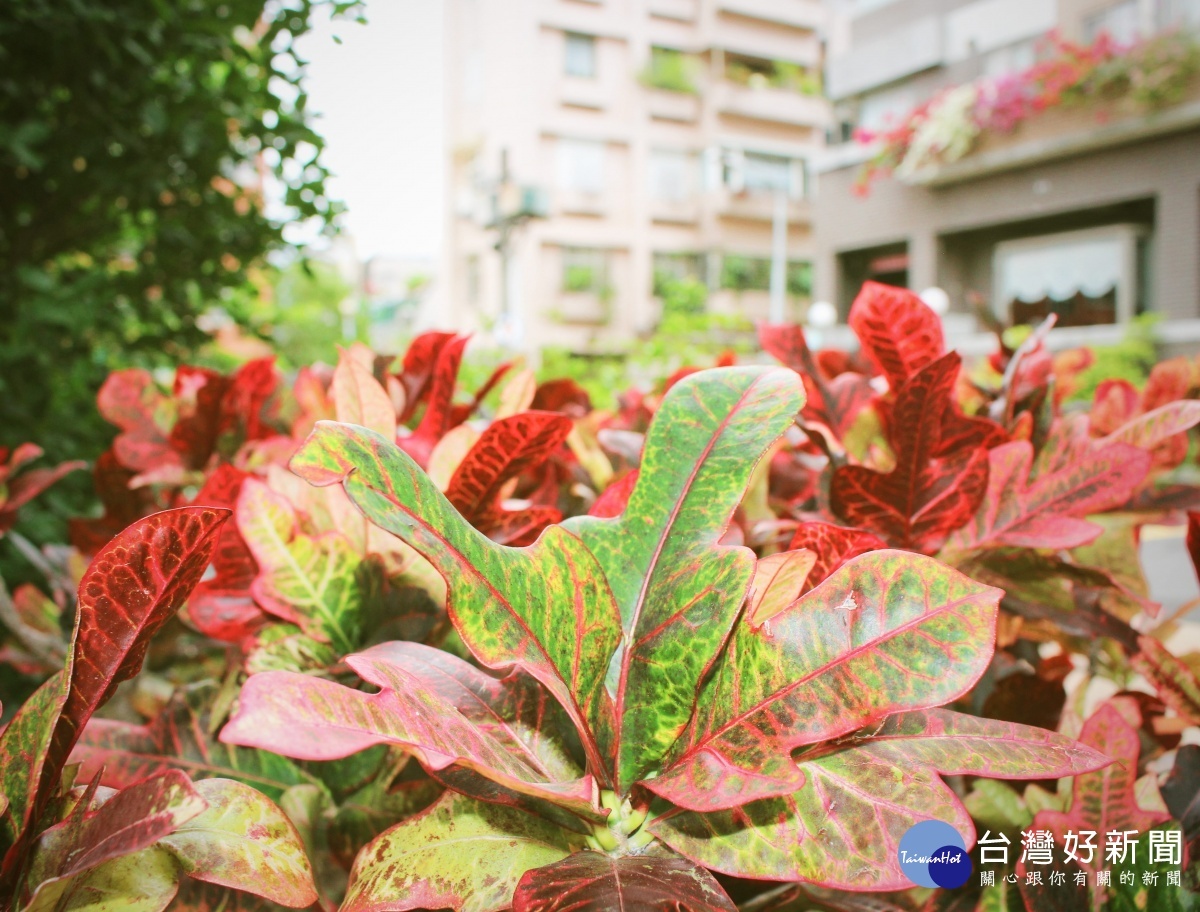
(674, 175)
(580, 59)
(743, 273)
(1178, 13)
(585, 270)
(1119, 22)
(1084, 277)
(759, 172)
(580, 166)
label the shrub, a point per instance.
(749, 627)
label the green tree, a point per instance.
(135, 139)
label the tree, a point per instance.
(135, 140)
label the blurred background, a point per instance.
(608, 188)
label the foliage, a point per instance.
(672, 70)
(387, 639)
(1130, 360)
(114, 248)
(1144, 76)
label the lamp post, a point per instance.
(511, 207)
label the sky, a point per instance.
(379, 97)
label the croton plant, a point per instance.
(365, 641)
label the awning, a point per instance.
(1062, 269)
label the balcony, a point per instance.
(581, 308)
(583, 93)
(804, 14)
(1063, 132)
(578, 202)
(679, 10)
(759, 207)
(770, 104)
(675, 212)
(681, 107)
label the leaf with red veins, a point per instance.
(615, 497)
(832, 401)
(930, 492)
(509, 447)
(899, 333)
(122, 505)
(1170, 380)
(546, 608)
(518, 528)
(359, 399)
(179, 737)
(1175, 682)
(198, 395)
(18, 491)
(678, 588)
(889, 631)
(131, 400)
(222, 607)
(1104, 800)
(445, 723)
(1115, 403)
(438, 416)
(1048, 511)
(131, 589)
(1157, 429)
(592, 882)
(859, 797)
(129, 821)
(833, 546)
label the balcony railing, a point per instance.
(759, 206)
(676, 106)
(770, 104)
(796, 13)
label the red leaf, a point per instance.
(198, 394)
(1193, 540)
(18, 491)
(564, 396)
(1115, 402)
(592, 882)
(931, 492)
(898, 331)
(133, 819)
(133, 586)
(612, 502)
(1047, 512)
(507, 448)
(122, 504)
(131, 400)
(1105, 800)
(438, 413)
(418, 367)
(833, 545)
(786, 343)
(222, 607)
(460, 413)
(518, 528)
(248, 391)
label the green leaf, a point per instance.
(145, 881)
(843, 827)
(459, 854)
(24, 745)
(889, 631)
(244, 841)
(545, 608)
(677, 588)
(308, 580)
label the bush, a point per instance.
(759, 621)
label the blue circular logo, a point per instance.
(932, 854)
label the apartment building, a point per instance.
(1089, 210)
(598, 145)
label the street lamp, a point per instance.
(511, 207)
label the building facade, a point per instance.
(605, 145)
(1091, 212)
